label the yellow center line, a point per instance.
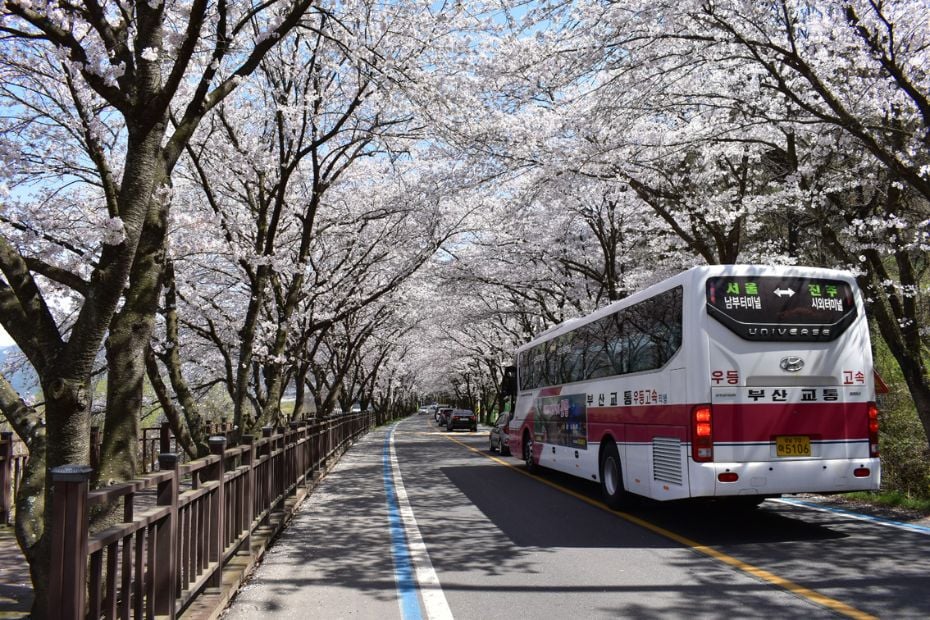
(755, 571)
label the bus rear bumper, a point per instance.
(790, 476)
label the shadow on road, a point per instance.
(517, 507)
(867, 566)
(494, 534)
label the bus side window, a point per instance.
(601, 341)
(573, 365)
(599, 364)
(642, 352)
(653, 331)
(667, 325)
(614, 345)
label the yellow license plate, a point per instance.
(793, 445)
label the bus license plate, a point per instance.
(792, 445)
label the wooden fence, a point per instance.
(182, 524)
(13, 458)
(154, 440)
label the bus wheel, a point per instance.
(612, 479)
(528, 454)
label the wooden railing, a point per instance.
(13, 457)
(153, 441)
(181, 525)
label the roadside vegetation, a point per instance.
(904, 451)
(894, 499)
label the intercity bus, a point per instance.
(736, 381)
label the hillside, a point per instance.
(17, 371)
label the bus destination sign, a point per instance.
(781, 309)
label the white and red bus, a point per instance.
(737, 381)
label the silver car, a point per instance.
(499, 436)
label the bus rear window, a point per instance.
(781, 309)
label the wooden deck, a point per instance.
(15, 585)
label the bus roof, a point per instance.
(691, 276)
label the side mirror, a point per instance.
(509, 382)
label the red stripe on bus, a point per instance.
(733, 423)
(673, 415)
(816, 420)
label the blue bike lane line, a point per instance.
(414, 575)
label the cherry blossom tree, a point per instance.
(775, 132)
(327, 199)
(115, 91)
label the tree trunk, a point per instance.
(67, 410)
(129, 337)
(242, 420)
(908, 358)
(917, 383)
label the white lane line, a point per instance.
(434, 600)
(919, 529)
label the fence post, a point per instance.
(296, 460)
(166, 538)
(270, 479)
(248, 505)
(280, 446)
(330, 436)
(164, 438)
(94, 455)
(6, 477)
(67, 588)
(317, 430)
(217, 544)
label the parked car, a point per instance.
(441, 413)
(461, 418)
(499, 437)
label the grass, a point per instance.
(894, 499)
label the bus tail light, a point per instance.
(873, 430)
(862, 472)
(702, 434)
(728, 476)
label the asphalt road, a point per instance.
(465, 534)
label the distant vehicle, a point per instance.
(730, 381)
(423, 411)
(356, 408)
(442, 413)
(499, 437)
(461, 418)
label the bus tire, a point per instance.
(615, 496)
(531, 465)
